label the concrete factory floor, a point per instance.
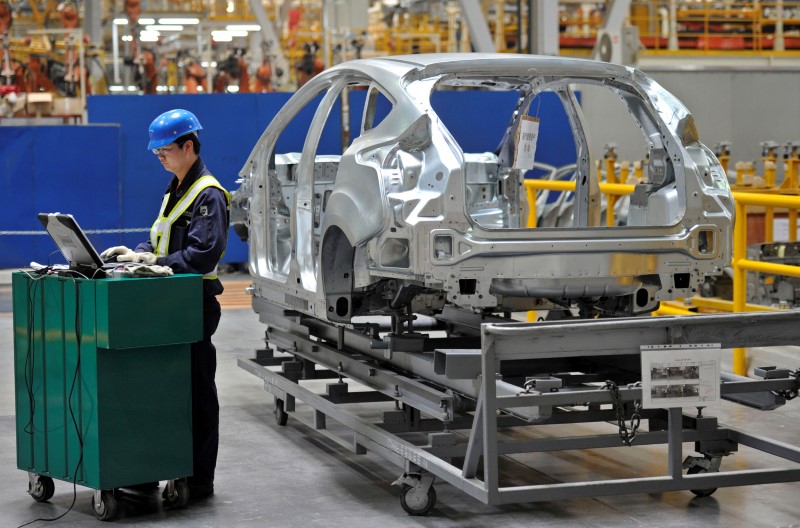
(292, 476)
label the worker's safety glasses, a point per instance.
(163, 150)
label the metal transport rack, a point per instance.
(487, 375)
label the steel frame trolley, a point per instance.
(509, 380)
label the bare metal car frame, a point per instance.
(405, 221)
(404, 224)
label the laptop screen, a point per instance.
(71, 240)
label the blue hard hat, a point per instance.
(171, 125)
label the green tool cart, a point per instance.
(102, 373)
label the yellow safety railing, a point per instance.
(531, 186)
(741, 265)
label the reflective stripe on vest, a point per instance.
(159, 233)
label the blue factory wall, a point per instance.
(103, 174)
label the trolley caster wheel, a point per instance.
(696, 470)
(42, 490)
(416, 503)
(281, 416)
(105, 509)
(176, 496)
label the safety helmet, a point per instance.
(171, 125)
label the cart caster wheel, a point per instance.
(416, 503)
(281, 416)
(43, 490)
(696, 470)
(179, 496)
(107, 509)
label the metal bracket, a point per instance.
(169, 489)
(422, 482)
(772, 372)
(98, 499)
(543, 383)
(710, 463)
(35, 483)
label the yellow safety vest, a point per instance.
(162, 227)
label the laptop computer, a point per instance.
(73, 243)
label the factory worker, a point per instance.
(190, 235)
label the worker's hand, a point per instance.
(144, 258)
(117, 251)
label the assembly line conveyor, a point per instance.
(486, 375)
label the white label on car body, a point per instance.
(527, 134)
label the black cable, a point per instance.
(28, 368)
(71, 411)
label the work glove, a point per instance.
(117, 251)
(144, 258)
(149, 271)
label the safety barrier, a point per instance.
(742, 265)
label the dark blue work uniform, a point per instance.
(196, 244)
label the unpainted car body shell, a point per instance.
(394, 222)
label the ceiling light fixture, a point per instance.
(149, 36)
(161, 27)
(243, 27)
(184, 21)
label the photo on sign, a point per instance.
(680, 376)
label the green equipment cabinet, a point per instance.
(102, 373)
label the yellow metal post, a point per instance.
(769, 156)
(610, 158)
(791, 166)
(638, 170)
(625, 172)
(790, 183)
(530, 193)
(745, 173)
(769, 173)
(739, 280)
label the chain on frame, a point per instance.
(626, 432)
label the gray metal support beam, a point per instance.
(478, 29)
(93, 21)
(543, 27)
(600, 337)
(675, 457)
(491, 474)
